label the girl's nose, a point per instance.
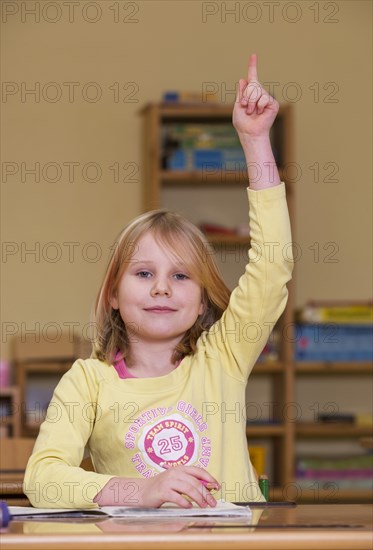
(161, 288)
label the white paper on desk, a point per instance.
(222, 509)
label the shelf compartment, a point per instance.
(31, 429)
(268, 367)
(223, 238)
(336, 429)
(7, 420)
(48, 367)
(331, 367)
(265, 430)
(330, 496)
(198, 177)
(195, 110)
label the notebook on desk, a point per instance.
(221, 510)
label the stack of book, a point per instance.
(349, 472)
(334, 331)
(198, 146)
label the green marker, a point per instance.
(264, 486)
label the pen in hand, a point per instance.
(209, 486)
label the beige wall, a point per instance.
(168, 45)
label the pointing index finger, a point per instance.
(252, 72)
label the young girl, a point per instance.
(161, 403)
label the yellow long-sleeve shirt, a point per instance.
(195, 415)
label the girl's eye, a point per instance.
(181, 276)
(143, 274)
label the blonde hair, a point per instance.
(185, 241)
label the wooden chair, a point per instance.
(14, 454)
(45, 361)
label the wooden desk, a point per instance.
(305, 527)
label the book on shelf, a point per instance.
(333, 342)
(198, 146)
(213, 230)
(337, 462)
(341, 484)
(4, 431)
(271, 350)
(258, 457)
(358, 419)
(367, 443)
(336, 312)
(331, 418)
(348, 472)
(194, 98)
(216, 229)
(336, 474)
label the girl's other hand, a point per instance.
(254, 110)
(180, 485)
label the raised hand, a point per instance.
(254, 110)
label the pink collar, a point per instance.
(122, 369)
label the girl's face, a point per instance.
(157, 298)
